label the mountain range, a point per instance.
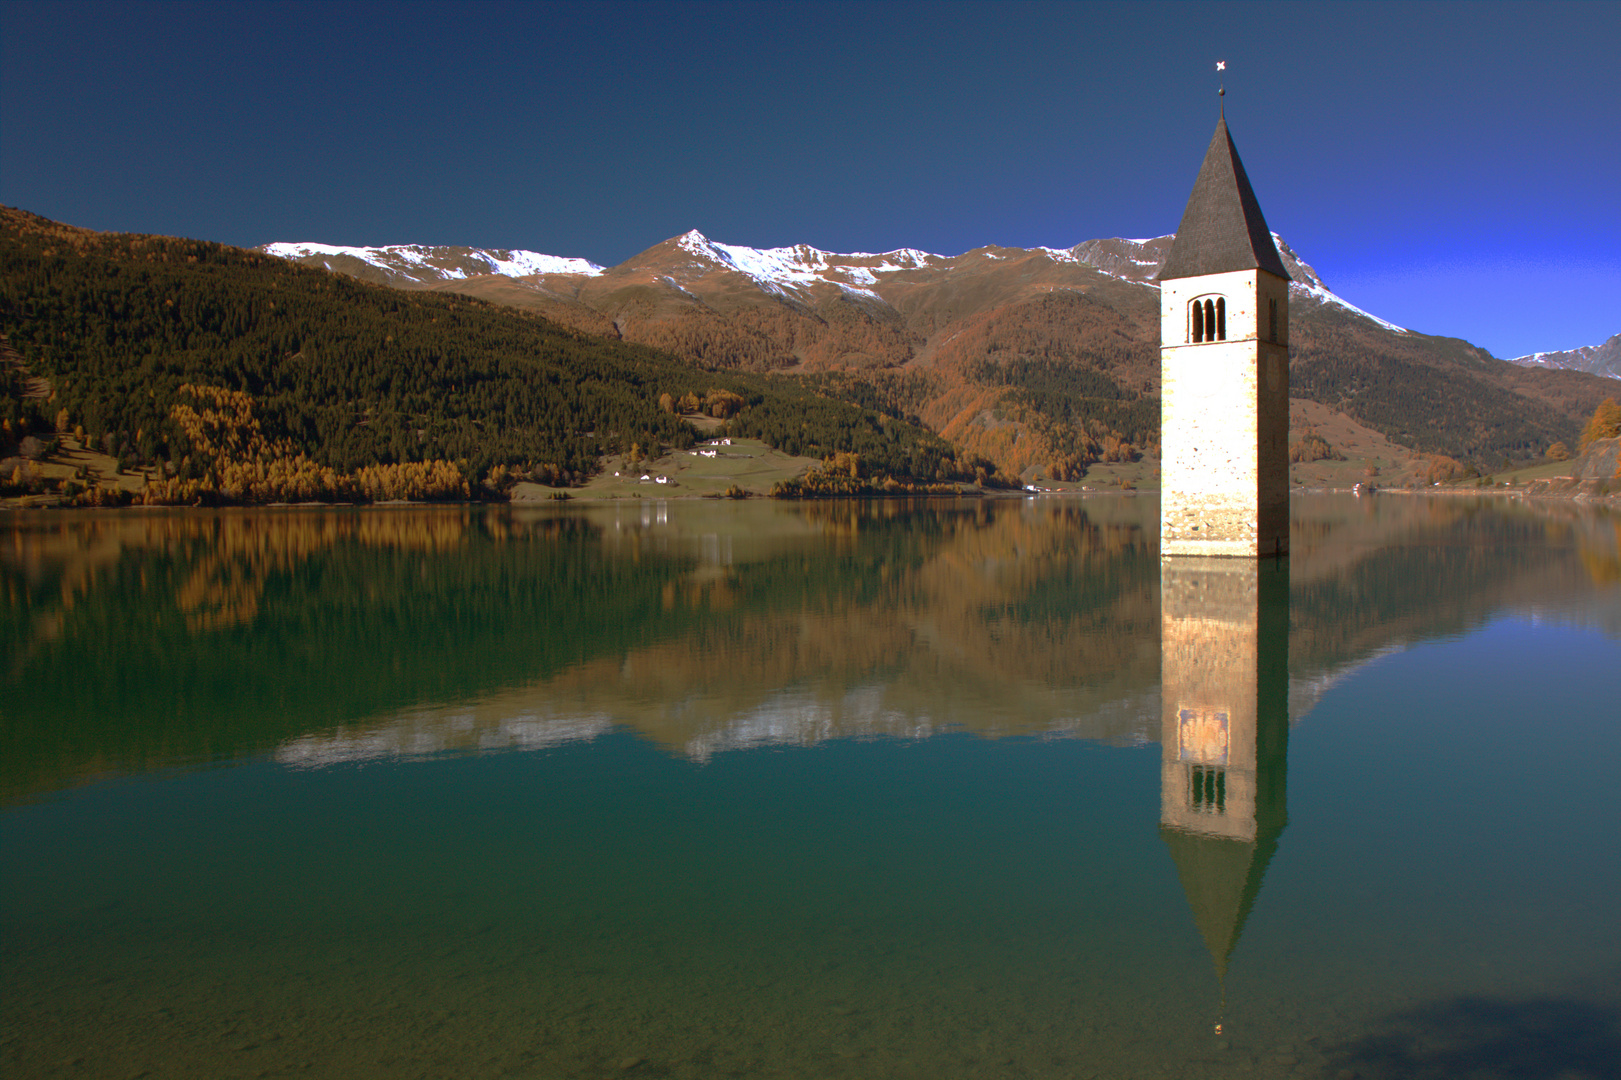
(1602, 359)
(1031, 357)
(794, 274)
(902, 368)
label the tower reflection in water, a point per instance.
(1224, 653)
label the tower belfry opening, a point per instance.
(1224, 357)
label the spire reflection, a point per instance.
(1224, 650)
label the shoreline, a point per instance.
(23, 506)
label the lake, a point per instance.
(835, 789)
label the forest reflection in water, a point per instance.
(339, 635)
(961, 877)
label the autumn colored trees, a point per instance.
(1604, 424)
(237, 376)
(1313, 447)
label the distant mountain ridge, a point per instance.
(1602, 359)
(409, 265)
(785, 272)
(1041, 359)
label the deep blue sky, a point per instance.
(1452, 167)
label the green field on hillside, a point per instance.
(747, 464)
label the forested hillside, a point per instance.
(1436, 395)
(1040, 360)
(915, 340)
(251, 377)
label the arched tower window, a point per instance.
(1207, 319)
(1272, 315)
(1207, 789)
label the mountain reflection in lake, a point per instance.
(829, 789)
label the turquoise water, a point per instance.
(696, 790)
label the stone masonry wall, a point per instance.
(1224, 421)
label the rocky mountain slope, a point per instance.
(1602, 359)
(1042, 359)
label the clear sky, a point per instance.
(1454, 168)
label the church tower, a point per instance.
(1224, 361)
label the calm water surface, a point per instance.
(828, 790)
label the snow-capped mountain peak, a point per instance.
(782, 269)
(1602, 359)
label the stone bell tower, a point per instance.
(1224, 361)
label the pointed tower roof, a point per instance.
(1221, 878)
(1223, 228)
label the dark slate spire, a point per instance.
(1223, 228)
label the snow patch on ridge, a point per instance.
(1131, 261)
(1323, 296)
(1604, 359)
(411, 258)
(1305, 282)
(905, 258)
(777, 269)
